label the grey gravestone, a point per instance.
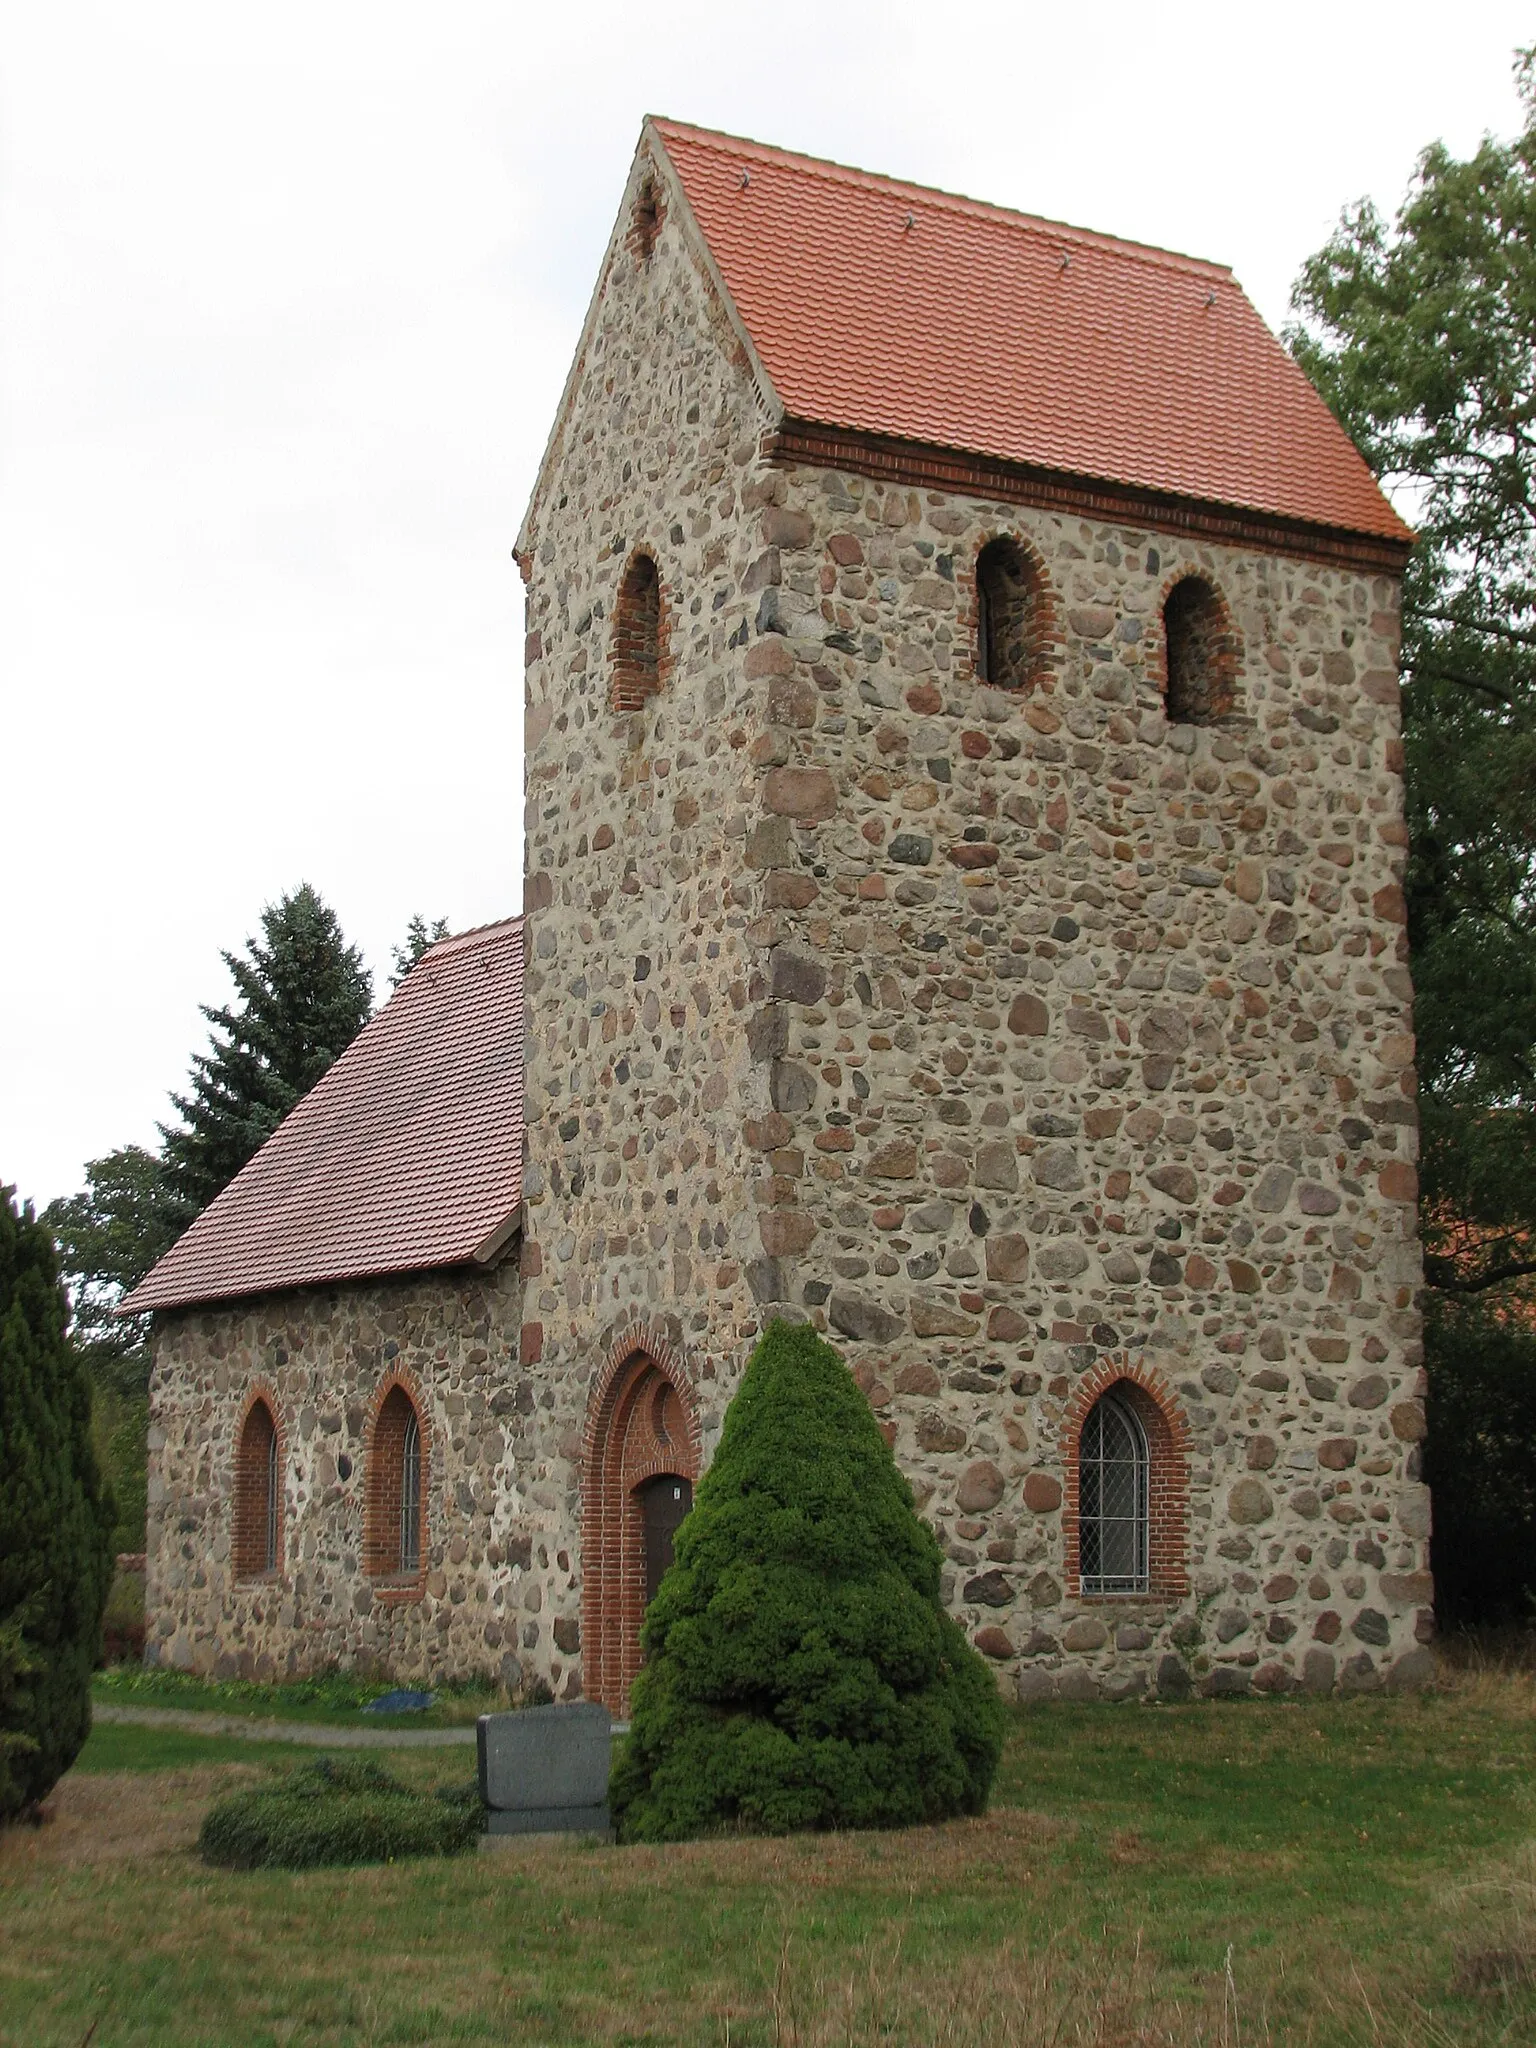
(544, 1770)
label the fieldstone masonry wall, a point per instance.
(1024, 1041)
(497, 1565)
(1092, 1050)
(1018, 1040)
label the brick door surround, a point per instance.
(641, 1423)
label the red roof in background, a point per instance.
(894, 310)
(406, 1154)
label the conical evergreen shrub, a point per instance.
(56, 1520)
(801, 1672)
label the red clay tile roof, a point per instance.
(407, 1154)
(894, 310)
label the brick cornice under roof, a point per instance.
(406, 1155)
(885, 460)
(894, 312)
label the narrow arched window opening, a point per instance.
(637, 636)
(258, 1495)
(1201, 653)
(1009, 627)
(1114, 1519)
(396, 1499)
(645, 223)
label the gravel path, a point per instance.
(314, 1735)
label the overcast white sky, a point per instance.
(288, 295)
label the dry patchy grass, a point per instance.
(1335, 1874)
(95, 1820)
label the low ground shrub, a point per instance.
(801, 1669)
(337, 1810)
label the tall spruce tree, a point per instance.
(1422, 336)
(56, 1520)
(801, 1669)
(303, 994)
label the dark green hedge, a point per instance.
(1480, 1461)
(337, 1810)
(56, 1519)
(801, 1671)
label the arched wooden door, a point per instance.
(642, 1461)
(664, 1502)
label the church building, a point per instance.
(962, 909)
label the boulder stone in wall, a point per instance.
(1062, 1259)
(980, 1488)
(1249, 1502)
(866, 1321)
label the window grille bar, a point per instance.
(269, 1546)
(410, 1497)
(1113, 1519)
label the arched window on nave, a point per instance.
(395, 1514)
(258, 1505)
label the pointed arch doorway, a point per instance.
(642, 1459)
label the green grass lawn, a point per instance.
(335, 1699)
(115, 1746)
(1356, 1871)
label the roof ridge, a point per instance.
(476, 935)
(957, 202)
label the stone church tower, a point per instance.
(964, 831)
(964, 837)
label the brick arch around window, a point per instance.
(1011, 617)
(1196, 654)
(397, 1400)
(256, 1516)
(1157, 1408)
(638, 647)
(642, 1421)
